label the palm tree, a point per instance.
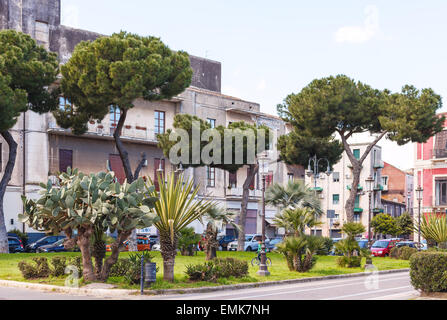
(214, 216)
(177, 207)
(300, 251)
(294, 195)
(295, 220)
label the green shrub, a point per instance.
(120, 268)
(133, 273)
(395, 253)
(38, 269)
(231, 267)
(59, 265)
(428, 271)
(349, 262)
(216, 269)
(326, 248)
(77, 262)
(405, 253)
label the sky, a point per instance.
(269, 49)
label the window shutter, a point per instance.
(232, 179)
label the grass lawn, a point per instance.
(326, 265)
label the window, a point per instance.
(290, 176)
(211, 177)
(159, 122)
(158, 164)
(336, 176)
(64, 104)
(356, 217)
(212, 122)
(384, 180)
(356, 153)
(232, 180)
(441, 192)
(335, 198)
(115, 115)
(65, 159)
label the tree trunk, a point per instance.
(84, 244)
(4, 248)
(113, 258)
(99, 253)
(168, 252)
(211, 242)
(350, 203)
(243, 215)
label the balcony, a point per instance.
(237, 193)
(359, 188)
(317, 189)
(358, 210)
(378, 165)
(130, 133)
(378, 210)
(378, 187)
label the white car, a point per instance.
(251, 243)
(156, 247)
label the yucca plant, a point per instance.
(434, 227)
(215, 216)
(177, 208)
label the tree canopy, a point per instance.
(341, 106)
(26, 72)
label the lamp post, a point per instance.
(315, 172)
(419, 193)
(369, 188)
(264, 170)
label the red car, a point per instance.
(382, 248)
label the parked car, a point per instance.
(143, 243)
(32, 247)
(225, 240)
(410, 244)
(153, 239)
(58, 246)
(156, 247)
(382, 248)
(15, 246)
(334, 241)
(272, 245)
(251, 243)
(363, 243)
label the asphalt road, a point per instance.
(395, 286)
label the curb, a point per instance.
(123, 292)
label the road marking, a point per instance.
(303, 290)
(363, 293)
(406, 293)
(284, 287)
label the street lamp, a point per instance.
(369, 188)
(315, 172)
(264, 170)
(419, 194)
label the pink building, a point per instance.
(430, 172)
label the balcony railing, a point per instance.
(237, 192)
(439, 153)
(131, 132)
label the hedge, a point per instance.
(429, 271)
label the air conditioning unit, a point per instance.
(321, 196)
(322, 176)
(348, 176)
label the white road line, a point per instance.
(298, 291)
(363, 293)
(307, 284)
(405, 294)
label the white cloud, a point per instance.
(360, 34)
(70, 16)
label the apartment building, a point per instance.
(397, 194)
(45, 148)
(333, 191)
(430, 173)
